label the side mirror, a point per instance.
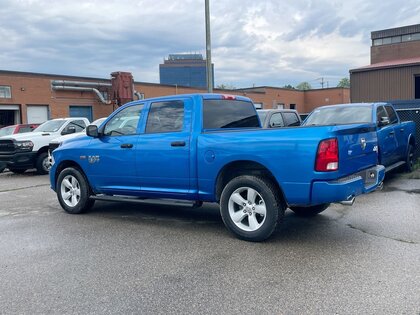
(69, 130)
(383, 122)
(92, 131)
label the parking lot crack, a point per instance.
(382, 236)
(23, 188)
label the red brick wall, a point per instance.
(35, 89)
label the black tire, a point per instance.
(73, 191)
(250, 224)
(309, 211)
(409, 160)
(17, 170)
(42, 164)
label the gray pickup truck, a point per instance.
(277, 118)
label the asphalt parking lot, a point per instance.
(130, 258)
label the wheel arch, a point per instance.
(42, 150)
(69, 163)
(244, 167)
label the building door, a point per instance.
(37, 114)
(9, 115)
(417, 87)
(81, 111)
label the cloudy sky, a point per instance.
(267, 42)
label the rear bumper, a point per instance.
(348, 187)
(22, 160)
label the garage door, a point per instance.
(9, 115)
(37, 114)
(81, 111)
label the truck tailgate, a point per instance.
(358, 147)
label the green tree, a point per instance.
(344, 83)
(288, 86)
(304, 86)
(225, 87)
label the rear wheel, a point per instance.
(409, 161)
(73, 191)
(309, 211)
(251, 207)
(42, 164)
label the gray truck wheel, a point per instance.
(251, 208)
(73, 191)
(409, 161)
(42, 164)
(309, 211)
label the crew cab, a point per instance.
(199, 148)
(396, 139)
(277, 118)
(20, 152)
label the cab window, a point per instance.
(124, 122)
(165, 117)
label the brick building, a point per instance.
(32, 97)
(394, 72)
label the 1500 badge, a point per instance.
(93, 159)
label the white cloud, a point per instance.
(267, 42)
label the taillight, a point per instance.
(327, 156)
(228, 97)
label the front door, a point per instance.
(112, 156)
(163, 157)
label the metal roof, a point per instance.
(389, 64)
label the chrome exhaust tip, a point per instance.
(349, 201)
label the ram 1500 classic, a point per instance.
(211, 148)
(396, 139)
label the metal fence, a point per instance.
(410, 111)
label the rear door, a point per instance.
(163, 158)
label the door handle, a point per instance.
(402, 129)
(126, 146)
(391, 133)
(178, 144)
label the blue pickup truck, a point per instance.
(396, 139)
(211, 148)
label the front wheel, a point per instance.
(42, 164)
(251, 207)
(309, 211)
(73, 191)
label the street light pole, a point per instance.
(209, 69)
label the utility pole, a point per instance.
(209, 69)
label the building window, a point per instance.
(279, 106)
(5, 92)
(292, 106)
(395, 39)
(258, 105)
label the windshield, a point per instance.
(50, 126)
(338, 115)
(6, 131)
(262, 114)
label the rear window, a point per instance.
(338, 115)
(229, 114)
